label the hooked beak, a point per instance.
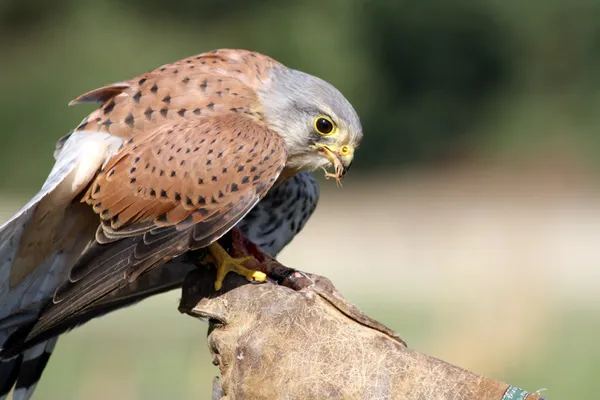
(341, 159)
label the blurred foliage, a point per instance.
(432, 80)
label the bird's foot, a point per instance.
(242, 246)
(235, 252)
(288, 277)
(226, 263)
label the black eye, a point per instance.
(323, 125)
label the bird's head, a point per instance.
(318, 124)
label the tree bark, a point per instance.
(273, 342)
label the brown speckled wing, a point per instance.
(195, 143)
(196, 158)
(205, 85)
(185, 173)
(181, 189)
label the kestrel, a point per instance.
(171, 161)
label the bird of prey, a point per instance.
(169, 163)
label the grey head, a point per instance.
(318, 124)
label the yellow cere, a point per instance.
(345, 150)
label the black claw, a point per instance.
(281, 274)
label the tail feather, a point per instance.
(9, 372)
(24, 371)
(34, 361)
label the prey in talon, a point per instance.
(169, 162)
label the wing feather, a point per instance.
(32, 240)
(152, 217)
(292, 195)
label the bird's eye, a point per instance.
(324, 125)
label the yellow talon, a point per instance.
(225, 264)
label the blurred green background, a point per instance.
(477, 187)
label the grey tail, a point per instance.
(24, 370)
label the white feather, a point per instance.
(34, 352)
(80, 157)
(24, 393)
